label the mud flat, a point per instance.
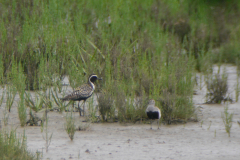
(206, 139)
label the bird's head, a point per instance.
(151, 102)
(93, 77)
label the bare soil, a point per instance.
(205, 139)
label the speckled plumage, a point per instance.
(83, 92)
(80, 93)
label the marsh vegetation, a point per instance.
(142, 50)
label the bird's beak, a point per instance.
(99, 78)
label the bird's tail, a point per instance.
(64, 99)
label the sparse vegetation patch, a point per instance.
(13, 147)
(227, 120)
(217, 89)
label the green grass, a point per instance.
(142, 49)
(227, 120)
(22, 111)
(70, 126)
(13, 147)
(10, 96)
(217, 89)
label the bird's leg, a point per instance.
(151, 124)
(84, 109)
(80, 108)
(80, 112)
(73, 108)
(158, 123)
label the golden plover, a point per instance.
(83, 92)
(153, 112)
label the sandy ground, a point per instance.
(206, 139)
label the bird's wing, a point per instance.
(150, 108)
(84, 91)
(159, 116)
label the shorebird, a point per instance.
(153, 112)
(83, 92)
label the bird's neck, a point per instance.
(92, 84)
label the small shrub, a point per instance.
(22, 111)
(217, 89)
(167, 103)
(227, 120)
(105, 103)
(70, 126)
(12, 147)
(92, 111)
(175, 99)
(11, 93)
(130, 109)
